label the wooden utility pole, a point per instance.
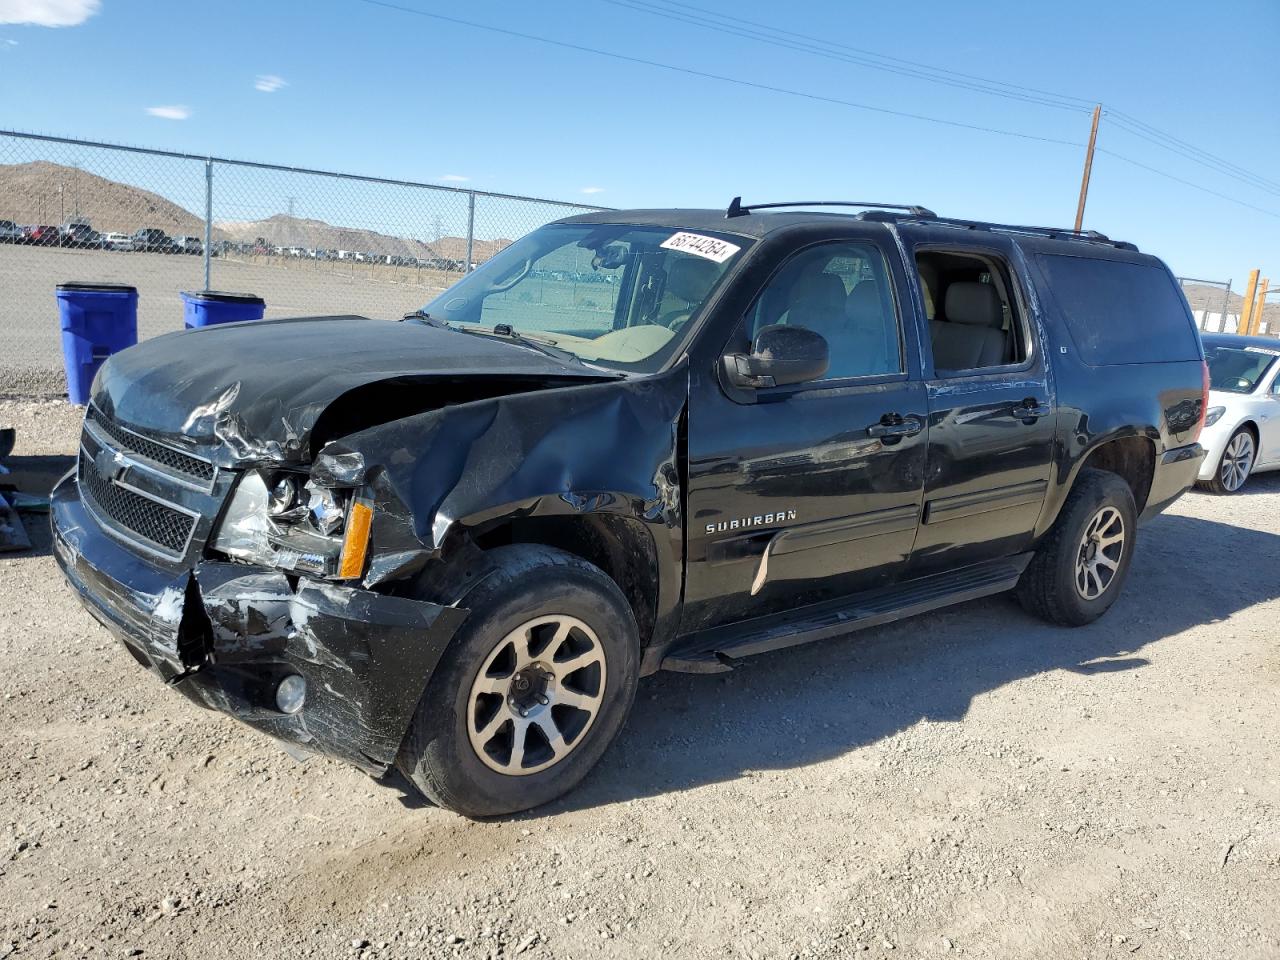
(1088, 167)
(1255, 323)
(1246, 305)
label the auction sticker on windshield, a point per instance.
(700, 246)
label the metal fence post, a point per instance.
(471, 230)
(1226, 305)
(208, 218)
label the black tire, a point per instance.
(531, 581)
(1217, 485)
(1048, 587)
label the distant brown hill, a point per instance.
(286, 231)
(43, 192)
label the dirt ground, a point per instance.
(971, 783)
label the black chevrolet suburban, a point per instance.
(631, 441)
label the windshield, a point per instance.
(1238, 369)
(614, 294)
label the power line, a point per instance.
(726, 23)
(805, 43)
(706, 75)
(1188, 183)
(1190, 152)
(387, 4)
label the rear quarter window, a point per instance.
(1118, 312)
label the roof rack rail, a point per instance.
(1053, 233)
(738, 209)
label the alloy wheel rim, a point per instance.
(1101, 549)
(536, 695)
(1237, 461)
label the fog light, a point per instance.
(291, 693)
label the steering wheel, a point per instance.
(675, 319)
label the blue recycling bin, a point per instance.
(97, 320)
(204, 308)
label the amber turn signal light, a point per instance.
(355, 547)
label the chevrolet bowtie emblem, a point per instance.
(109, 464)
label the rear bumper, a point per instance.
(1175, 473)
(226, 634)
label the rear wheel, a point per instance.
(1236, 463)
(532, 690)
(1080, 566)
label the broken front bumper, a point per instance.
(226, 634)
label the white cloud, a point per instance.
(175, 112)
(454, 178)
(593, 189)
(48, 13)
(268, 82)
(7, 42)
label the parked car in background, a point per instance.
(153, 240)
(192, 245)
(117, 241)
(79, 234)
(10, 232)
(1242, 425)
(42, 235)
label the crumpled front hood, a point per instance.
(257, 389)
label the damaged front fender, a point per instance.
(607, 448)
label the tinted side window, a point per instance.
(840, 290)
(1121, 312)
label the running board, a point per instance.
(715, 650)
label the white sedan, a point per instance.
(1242, 424)
(117, 241)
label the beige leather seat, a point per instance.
(971, 336)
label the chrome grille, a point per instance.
(130, 443)
(159, 524)
(156, 498)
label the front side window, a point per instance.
(841, 291)
(614, 294)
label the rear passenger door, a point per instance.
(991, 411)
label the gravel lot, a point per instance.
(971, 783)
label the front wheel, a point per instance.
(1235, 465)
(532, 690)
(1080, 566)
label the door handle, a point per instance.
(893, 425)
(1031, 409)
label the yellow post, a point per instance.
(1246, 305)
(1255, 322)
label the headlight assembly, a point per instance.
(1213, 415)
(279, 520)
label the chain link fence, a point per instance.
(1217, 309)
(306, 241)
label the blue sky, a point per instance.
(349, 85)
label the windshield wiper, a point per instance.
(426, 319)
(544, 345)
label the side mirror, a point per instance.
(780, 355)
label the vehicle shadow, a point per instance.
(801, 706)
